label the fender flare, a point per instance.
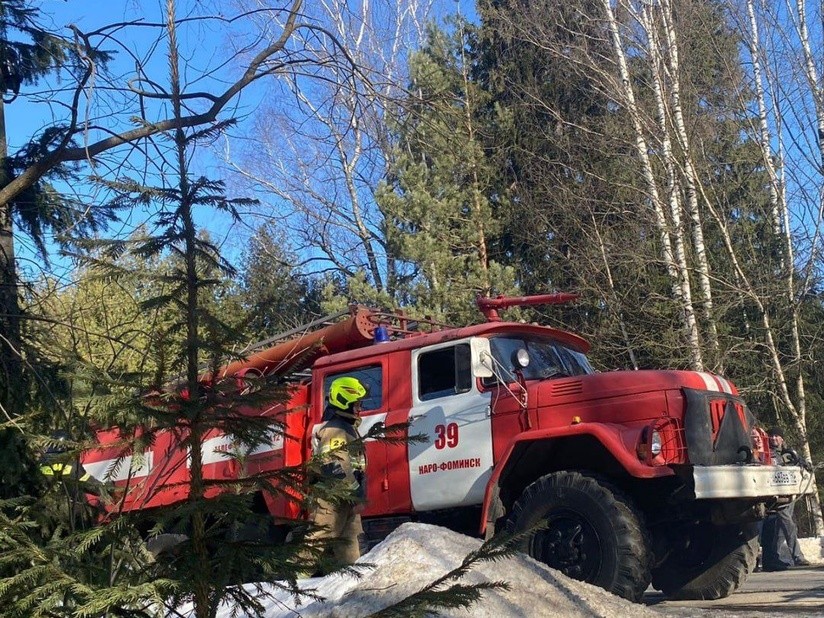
(619, 440)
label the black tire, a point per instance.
(592, 532)
(707, 562)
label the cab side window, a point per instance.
(444, 372)
(371, 377)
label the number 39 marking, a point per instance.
(447, 436)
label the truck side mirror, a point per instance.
(481, 357)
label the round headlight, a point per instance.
(522, 358)
(655, 445)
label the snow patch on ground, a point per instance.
(813, 549)
(416, 554)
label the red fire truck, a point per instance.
(632, 477)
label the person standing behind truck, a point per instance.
(779, 527)
(339, 521)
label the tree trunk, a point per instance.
(349, 164)
(614, 300)
(801, 396)
(690, 181)
(12, 395)
(192, 408)
(17, 471)
(796, 413)
(673, 186)
(681, 292)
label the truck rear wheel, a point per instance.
(707, 562)
(590, 532)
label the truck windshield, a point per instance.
(547, 359)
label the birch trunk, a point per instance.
(771, 344)
(816, 91)
(349, 165)
(681, 292)
(763, 123)
(673, 188)
(690, 179)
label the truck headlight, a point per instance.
(662, 443)
(655, 443)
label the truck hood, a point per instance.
(621, 383)
(716, 425)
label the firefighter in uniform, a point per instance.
(53, 465)
(72, 506)
(340, 520)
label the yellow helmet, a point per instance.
(345, 391)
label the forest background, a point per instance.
(179, 169)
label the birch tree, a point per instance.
(772, 129)
(675, 257)
(321, 158)
(689, 173)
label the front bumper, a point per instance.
(752, 481)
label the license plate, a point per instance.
(784, 477)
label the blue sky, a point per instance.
(204, 45)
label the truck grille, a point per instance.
(717, 427)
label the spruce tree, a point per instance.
(49, 566)
(28, 54)
(443, 197)
(272, 290)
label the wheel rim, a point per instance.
(570, 544)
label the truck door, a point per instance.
(453, 466)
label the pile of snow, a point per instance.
(414, 555)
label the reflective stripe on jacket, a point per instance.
(64, 471)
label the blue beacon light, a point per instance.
(381, 334)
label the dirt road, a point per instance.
(796, 592)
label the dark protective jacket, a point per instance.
(329, 440)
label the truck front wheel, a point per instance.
(706, 562)
(587, 530)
